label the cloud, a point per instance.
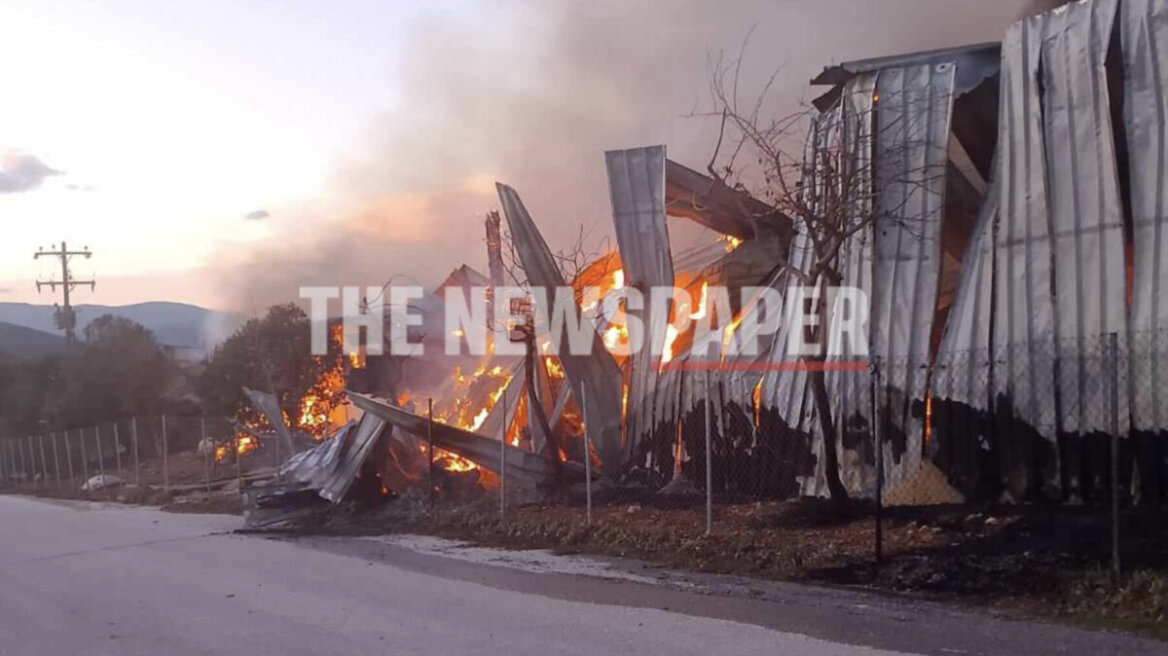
(21, 171)
(256, 215)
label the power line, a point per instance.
(64, 316)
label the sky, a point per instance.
(224, 153)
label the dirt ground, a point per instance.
(1036, 560)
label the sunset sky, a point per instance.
(223, 153)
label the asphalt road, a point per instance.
(81, 578)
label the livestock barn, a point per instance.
(1007, 201)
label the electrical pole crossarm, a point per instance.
(65, 318)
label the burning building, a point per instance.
(1018, 196)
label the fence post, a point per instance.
(56, 459)
(276, 458)
(709, 465)
(69, 457)
(587, 453)
(44, 461)
(1113, 347)
(84, 457)
(206, 455)
(166, 459)
(238, 464)
(3, 463)
(134, 439)
(31, 459)
(430, 451)
(118, 450)
(100, 452)
(503, 462)
(874, 380)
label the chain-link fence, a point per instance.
(160, 451)
(1073, 422)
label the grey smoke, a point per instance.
(21, 171)
(256, 215)
(533, 92)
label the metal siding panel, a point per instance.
(912, 137)
(636, 181)
(597, 371)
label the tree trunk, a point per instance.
(839, 493)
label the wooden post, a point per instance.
(56, 458)
(587, 454)
(118, 450)
(206, 456)
(44, 460)
(100, 452)
(69, 457)
(709, 464)
(134, 438)
(84, 457)
(165, 459)
(503, 461)
(1113, 348)
(430, 452)
(875, 379)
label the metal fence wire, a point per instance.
(126, 449)
(1069, 421)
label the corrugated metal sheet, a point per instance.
(270, 407)
(331, 467)
(1144, 30)
(896, 259)
(355, 449)
(485, 452)
(636, 182)
(853, 390)
(596, 371)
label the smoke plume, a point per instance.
(532, 93)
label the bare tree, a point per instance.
(825, 181)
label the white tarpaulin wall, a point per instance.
(912, 138)
(1057, 261)
(1085, 210)
(1144, 30)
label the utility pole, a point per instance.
(65, 317)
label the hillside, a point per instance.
(175, 324)
(19, 341)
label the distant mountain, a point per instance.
(174, 324)
(26, 342)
